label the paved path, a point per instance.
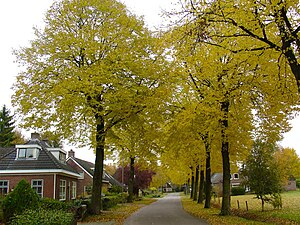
(166, 211)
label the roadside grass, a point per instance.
(289, 214)
(212, 215)
(119, 213)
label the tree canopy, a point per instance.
(93, 65)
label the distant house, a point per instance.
(290, 184)
(47, 169)
(43, 166)
(86, 171)
(167, 187)
(236, 180)
(217, 182)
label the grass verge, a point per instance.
(120, 212)
(212, 215)
(289, 214)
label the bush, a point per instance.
(298, 183)
(21, 198)
(52, 204)
(115, 189)
(43, 217)
(111, 201)
(237, 191)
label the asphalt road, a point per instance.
(166, 211)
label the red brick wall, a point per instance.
(86, 181)
(69, 181)
(47, 179)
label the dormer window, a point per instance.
(27, 153)
(62, 156)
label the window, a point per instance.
(236, 176)
(74, 187)
(62, 156)
(3, 187)
(27, 153)
(37, 185)
(62, 189)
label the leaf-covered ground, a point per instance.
(289, 214)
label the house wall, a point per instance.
(69, 181)
(48, 182)
(290, 186)
(83, 182)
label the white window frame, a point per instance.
(33, 155)
(62, 190)
(74, 189)
(4, 186)
(35, 187)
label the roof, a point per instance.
(89, 167)
(5, 151)
(217, 178)
(45, 160)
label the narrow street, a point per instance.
(166, 211)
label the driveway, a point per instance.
(166, 211)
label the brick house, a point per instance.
(86, 171)
(43, 166)
(217, 182)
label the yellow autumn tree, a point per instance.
(93, 65)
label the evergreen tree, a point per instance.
(7, 135)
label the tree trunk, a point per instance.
(225, 210)
(96, 202)
(201, 187)
(131, 180)
(262, 204)
(192, 184)
(196, 187)
(207, 177)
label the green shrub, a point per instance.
(109, 202)
(298, 183)
(42, 217)
(21, 198)
(237, 191)
(113, 200)
(52, 204)
(115, 189)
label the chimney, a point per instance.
(35, 136)
(71, 153)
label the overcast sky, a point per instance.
(19, 16)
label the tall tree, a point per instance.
(93, 66)
(261, 171)
(7, 134)
(288, 163)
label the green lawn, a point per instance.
(290, 206)
(289, 214)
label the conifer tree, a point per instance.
(7, 135)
